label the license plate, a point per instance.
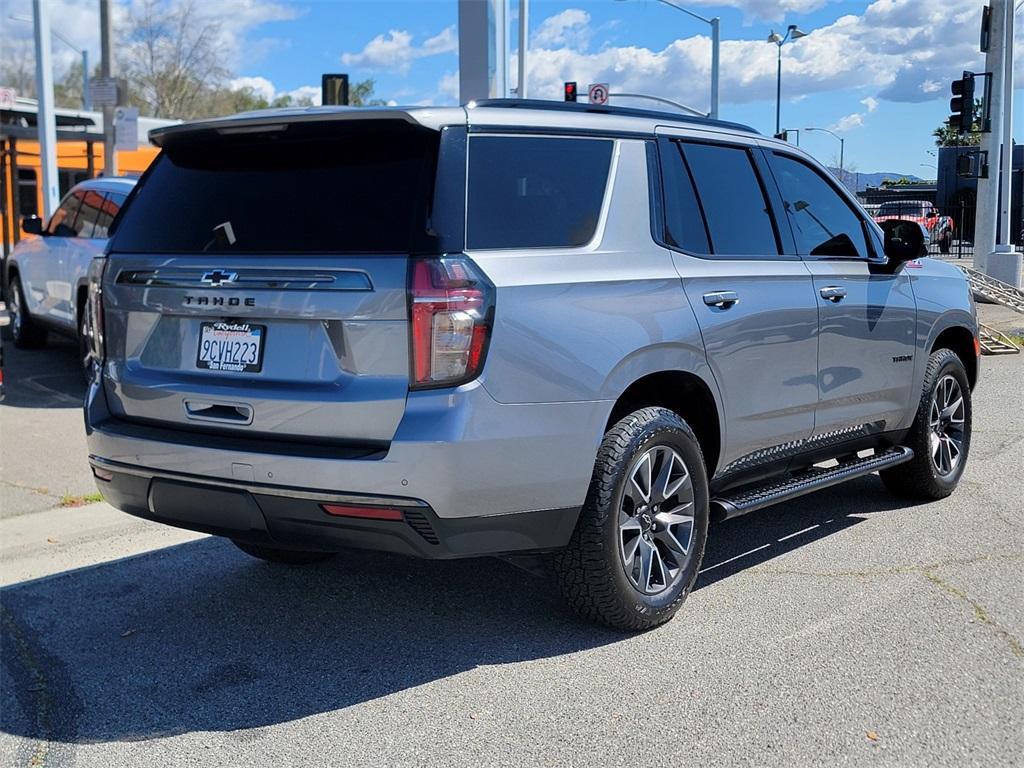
(236, 347)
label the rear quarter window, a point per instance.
(535, 192)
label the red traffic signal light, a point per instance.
(570, 91)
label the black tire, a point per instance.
(284, 556)
(946, 242)
(921, 478)
(84, 344)
(25, 333)
(591, 570)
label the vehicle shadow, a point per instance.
(199, 637)
(50, 377)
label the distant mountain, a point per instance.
(865, 180)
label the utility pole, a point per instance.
(524, 44)
(45, 118)
(716, 42)
(106, 71)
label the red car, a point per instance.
(939, 227)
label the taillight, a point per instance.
(94, 309)
(451, 307)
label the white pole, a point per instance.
(524, 44)
(45, 118)
(1004, 263)
(107, 71)
(1007, 165)
(988, 189)
(715, 44)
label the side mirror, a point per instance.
(904, 240)
(32, 225)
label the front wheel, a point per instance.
(638, 544)
(940, 434)
(25, 333)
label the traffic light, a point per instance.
(962, 104)
(334, 90)
(570, 91)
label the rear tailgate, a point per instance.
(256, 284)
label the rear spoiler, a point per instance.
(274, 120)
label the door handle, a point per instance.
(721, 299)
(833, 293)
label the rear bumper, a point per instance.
(294, 518)
(479, 471)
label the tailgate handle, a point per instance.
(231, 413)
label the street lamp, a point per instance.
(842, 147)
(86, 102)
(792, 33)
(715, 24)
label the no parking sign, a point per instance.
(598, 93)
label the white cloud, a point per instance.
(311, 92)
(570, 28)
(395, 51)
(78, 20)
(259, 85)
(448, 88)
(904, 50)
(844, 124)
(870, 103)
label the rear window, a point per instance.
(302, 190)
(535, 192)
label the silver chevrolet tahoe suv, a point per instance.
(560, 334)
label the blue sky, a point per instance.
(876, 72)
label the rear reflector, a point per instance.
(102, 474)
(977, 347)
(369, 513)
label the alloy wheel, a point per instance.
(656, 520)
(946, 420)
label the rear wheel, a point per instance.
(84, 343)
(634, 555)
(940, 434)
(25, 333)
(285, 556)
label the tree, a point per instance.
(168, 54)
(948, 137)
(18, 68)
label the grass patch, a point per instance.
(68, 500)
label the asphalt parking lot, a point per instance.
(846, 628)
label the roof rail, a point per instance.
(605, 109)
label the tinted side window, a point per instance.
(684, 222)
(734, 203)
(85, 222)
(111, 205)
(534, 192)
(823, 223)
(62, 219)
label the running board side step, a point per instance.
(750, 498)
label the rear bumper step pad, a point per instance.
(749, 498)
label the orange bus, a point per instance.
(79, 157)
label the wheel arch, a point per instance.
(684, 393)
(962, 341)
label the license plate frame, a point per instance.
(238, 333)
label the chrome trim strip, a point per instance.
(257, 488)
(250, 279)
